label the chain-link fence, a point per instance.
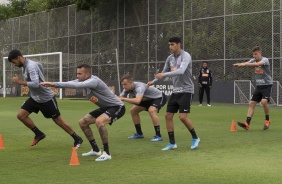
(219, 31)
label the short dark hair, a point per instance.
(14, 54)
(205, 62)
(127, 77)
(86, 66)
(175, 39)
(256, 48)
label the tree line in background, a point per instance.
(16, 8)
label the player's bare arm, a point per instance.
(137, 100)
(47, 84)
(260, 63)
(17, 80)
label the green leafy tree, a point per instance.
(5, 12)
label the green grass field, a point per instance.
(252, 156)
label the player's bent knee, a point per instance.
(252, 104)
(133, 111)
(21, 116)
(168, 116)
(182, 117)
(100, 123)
(152, 111)
(58, 120)
(264, 102)
(83, 122)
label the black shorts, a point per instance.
(158, 103)
(114, 112)
(49, 109)
(179, 101)
(262, 92)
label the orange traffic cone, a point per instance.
(233, 127)
(1, 142)
(74, 158)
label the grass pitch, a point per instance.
(252, 156)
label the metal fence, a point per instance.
(219, 31)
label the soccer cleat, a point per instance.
(266, 124)
(169, 147)
(156, 138)
(195, 143)
(208, 105)
(244, 125)
(103, 157)
(136, 136)
(78, 142)
(200, 104)
(37, 138)
(92, 153)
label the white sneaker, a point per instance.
(200, 104)
(170, 147)
(209, 105)
(92, 153)
(104, 157)
(195, 143)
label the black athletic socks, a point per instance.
(138, 129)
(157, 130)
(267, 117)
(106, 148)
(94, 145)
(171, 137)
(193, 133)
(75, 136)
(248, 120)
(37, 131)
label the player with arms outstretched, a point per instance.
(178, 66)
(110, 108)
(144, 98)
(263, 89)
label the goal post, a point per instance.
(243, 90)
(43, 58)
(279, 96)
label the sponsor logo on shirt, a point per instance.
(259, 70)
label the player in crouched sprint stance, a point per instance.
(110, 108)
(179, 66)
(144, 98)
(41, 98)
(263, 89)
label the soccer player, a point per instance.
(178, 66)
(263, 89)
(205, 83)
(41, 98)
(110, 108)
(144, 98)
